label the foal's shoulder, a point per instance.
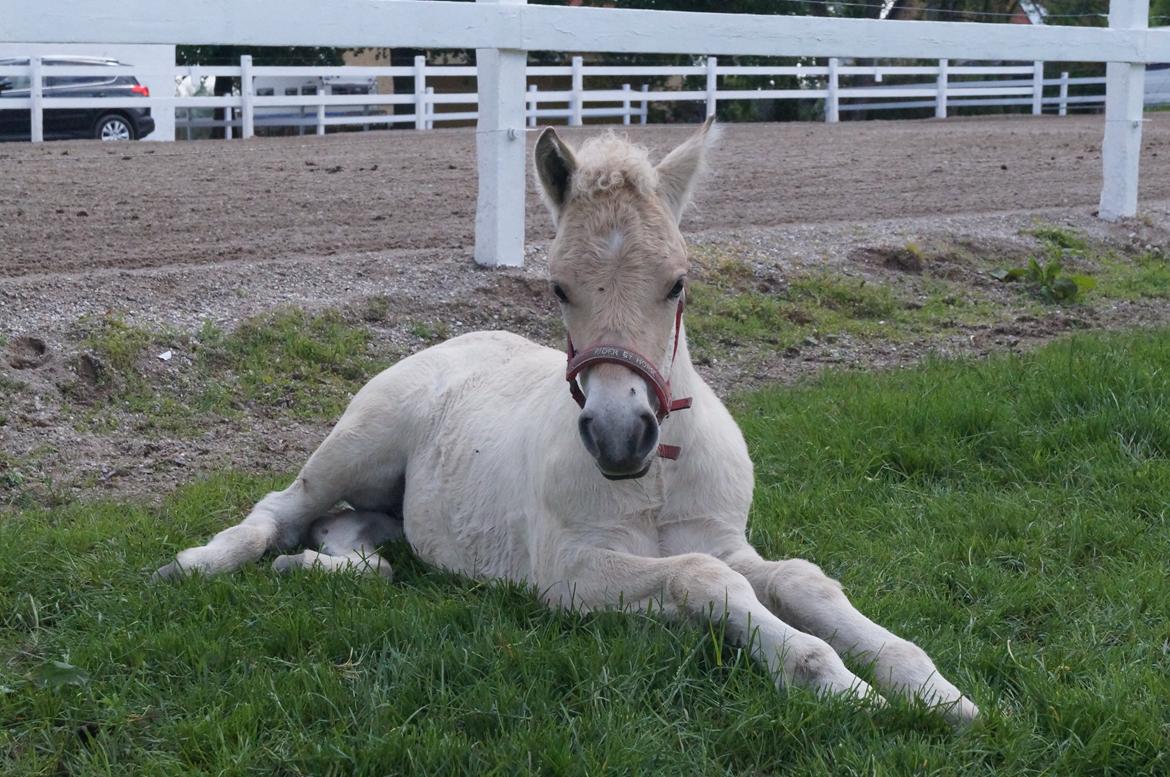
(489, 337)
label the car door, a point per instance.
(14, 123)
(70, 122)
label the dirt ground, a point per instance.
(169, 236)
(78, 206)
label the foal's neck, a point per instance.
(683, 377)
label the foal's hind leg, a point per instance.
(346, 541)
(278, 520)
(362, 462)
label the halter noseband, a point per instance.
(600, 353)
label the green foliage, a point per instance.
(1061, 239)
(308, 363)
(304, 364)
(293, 56)
(728, 306)
(1146, 276)
(117, 344)
(1047, 282)
(430, 332)
(1009, 515)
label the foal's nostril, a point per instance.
(649, 436)
(585, 428)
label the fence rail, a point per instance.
(572, 105)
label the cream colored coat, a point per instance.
(471, 450)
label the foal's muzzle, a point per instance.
(621, 445)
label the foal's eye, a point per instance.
(560, 293)
(676, 290)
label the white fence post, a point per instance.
(940, 97)
(1038, 88)
(430, 107)
(499, 150)
(420, 92)
(36, 97)
(578, 87)
(1064, 93)
(832, 103)
(321, 119)
(712, 85)
(626, 104)
(645, 113)
(229, 115)
(247, 92)
(1125, 85)
(532, 104)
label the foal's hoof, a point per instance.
(961, 713)
(171, 571)
(286, 564)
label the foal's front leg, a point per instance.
(800, 593)
(703, 587)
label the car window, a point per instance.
(73, 81)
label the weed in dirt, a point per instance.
(1116, 275)
(1047, 281)
(851, 298)
(727, 309)
(1146, 276)
(116, 343)
(375, 309)
(24, 483)
(1009, 515)
(12, 479)
(307, 365)
(1060, 238)
(111, 364)
(430, 332)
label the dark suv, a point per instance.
(115, 123)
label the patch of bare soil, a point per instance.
(380, 225)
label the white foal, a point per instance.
(478, 452)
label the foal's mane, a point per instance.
(609, 163)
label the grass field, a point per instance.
(1010, 516)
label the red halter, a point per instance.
(599, 353)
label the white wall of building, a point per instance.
(154, 67)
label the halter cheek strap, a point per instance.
(600, 353)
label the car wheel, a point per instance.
(113, 126)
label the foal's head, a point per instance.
(618, 267)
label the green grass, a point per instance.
(309, 363)
(1146, 276)
(1009, 515)
(1060, 238)
(728, 311)
(288, 360)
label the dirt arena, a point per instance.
(68, 207)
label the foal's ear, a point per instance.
(555, 165)
(680, 170)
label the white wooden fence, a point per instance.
(504, 31)
(321, 110)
